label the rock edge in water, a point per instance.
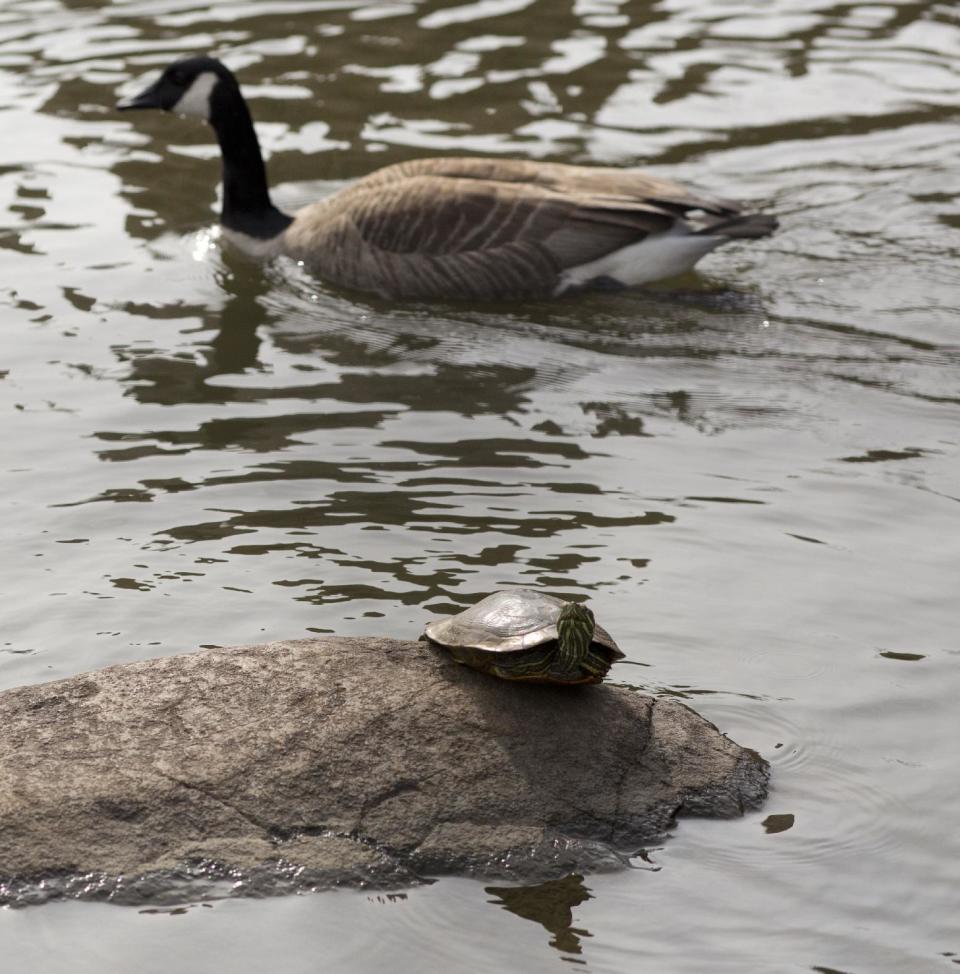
(339, 761)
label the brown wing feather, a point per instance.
(599, 181)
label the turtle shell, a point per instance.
(510, 626)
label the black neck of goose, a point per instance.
(246, 199)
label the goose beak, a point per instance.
(148, 98)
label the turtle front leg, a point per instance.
(595, 664)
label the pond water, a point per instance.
(753, 473)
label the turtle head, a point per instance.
(574, 634)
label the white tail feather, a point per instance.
(657, 256)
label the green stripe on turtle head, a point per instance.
(574, 635)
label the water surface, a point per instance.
(753, 472)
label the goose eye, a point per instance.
(178, 77)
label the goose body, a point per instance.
(457, 227)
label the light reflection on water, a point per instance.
(753, 472)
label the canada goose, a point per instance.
(461, 227)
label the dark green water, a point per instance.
(754, 472)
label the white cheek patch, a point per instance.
(196, 99)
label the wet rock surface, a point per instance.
(339, 761)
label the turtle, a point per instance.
(522, 634)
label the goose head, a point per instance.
(191, 86)
(204, 88)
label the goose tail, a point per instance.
(742, 226)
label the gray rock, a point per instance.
(323, 762)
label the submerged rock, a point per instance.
(340, 761)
